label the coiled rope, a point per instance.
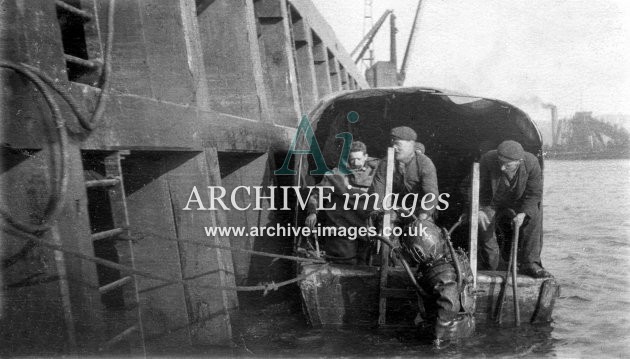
(60, 154)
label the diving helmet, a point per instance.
(423, 242)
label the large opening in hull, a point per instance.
(455, 130)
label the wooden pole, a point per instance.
(389, 183)
(517, 312)
(474, 221)
(389, 179)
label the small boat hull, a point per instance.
(343, 295)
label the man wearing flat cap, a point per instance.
(510, 195)
(413, 172)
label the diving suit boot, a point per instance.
(463, 326)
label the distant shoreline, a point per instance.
(585, 156)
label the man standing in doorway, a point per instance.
(510, 194)
(413, 172)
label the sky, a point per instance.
(572, 53)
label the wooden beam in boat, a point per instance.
(474, 218)
(389, 184)
(387, 203)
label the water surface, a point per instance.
(586, 247)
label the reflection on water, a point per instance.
(587, 227)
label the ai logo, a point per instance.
(305, 129)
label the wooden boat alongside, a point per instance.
(455, 130)
(344, 295)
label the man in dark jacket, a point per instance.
(413, 172)
(341, 249)
(511, 183)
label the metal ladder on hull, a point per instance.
(112, 182)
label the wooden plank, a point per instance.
(319, 49)
(474, 221)
(207, 308)
(269, 9)
(232, 59)
(74, 232)
(389, 183)
(301, 31)
(549, 291)
(194, 51)
(163, 33)
(240, 166)
(385, 250)
(305, 64)
(220, 220)
(308, 289)
(136, 121)
(344, 78)
(130, 68)
(322, 75)
(333, 68)
(165, 318)
(279, 69)
(255, 51)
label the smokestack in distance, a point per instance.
(554, 119)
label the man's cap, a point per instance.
(511, 150)
(403, 133)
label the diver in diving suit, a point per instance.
(445, 277)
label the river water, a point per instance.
(587, 248)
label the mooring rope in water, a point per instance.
(265, 287)
(202, 243)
